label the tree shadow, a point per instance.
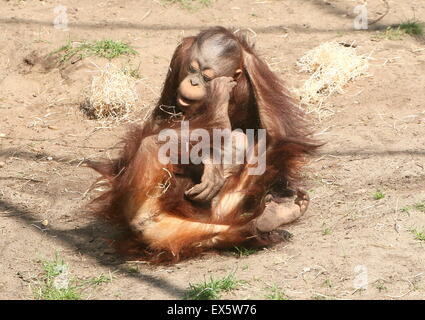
(333, 9)
(178, 27)
(382, 153)
(41, 155)
(72, 162)
(88, 240)
(275, 29)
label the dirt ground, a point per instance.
(374, 142)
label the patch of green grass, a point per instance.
(397, 32)
(327, 283)
(419, 235)
(108, 49)
(189, 4)
(320, 296)
(244, 252)
(56, 283)
(276, 293)
(378, 195)
(49, 293)
(50, 288)
(406, 209)
(412, 27)
(53, 268)
(99, 280)
(390, 34)
(379, 284)
(420, 206)
(132, 71)
(41, 41)
(326, 232)
(212, 289)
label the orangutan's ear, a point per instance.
(238, 74)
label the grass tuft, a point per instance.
(99, 280)
(397, 32)
(420, 206)
(378, 195)
(321, 297)
(132, 71)
(276, 293)
(327, 283)
(326, 232)
(212, 289)
(390, 33)
(244, 252)
(189, 4)
(412, 27)
(419, 235)
(108, 49)
(380, 285)
(55, 284)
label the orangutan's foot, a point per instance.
(276, 214)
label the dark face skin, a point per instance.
(206, 64)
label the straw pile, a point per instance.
(331, 65)
(112, 94)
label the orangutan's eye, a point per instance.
(206, 78)
(192, 69)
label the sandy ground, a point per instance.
(375, 141)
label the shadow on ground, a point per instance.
(87, 240)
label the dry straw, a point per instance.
(331, 65)
(112, 94)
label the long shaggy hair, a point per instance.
(262, 102)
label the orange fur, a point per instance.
(164, 224)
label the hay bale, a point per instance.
(331, 65)
(112, 94)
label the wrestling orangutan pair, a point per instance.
(175, 210)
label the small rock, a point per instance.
(49, 158)
(2, 164)
(45, 222)
(2, 135)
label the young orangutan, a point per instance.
(215, 81)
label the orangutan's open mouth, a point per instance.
(183, 101)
